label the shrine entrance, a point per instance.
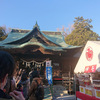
(30, 65)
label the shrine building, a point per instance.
(32, 48)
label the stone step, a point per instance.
(64, 91)
(68, 97)
(60, 94)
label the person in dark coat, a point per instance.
(25, 83)
(7, 67)
(34, 74)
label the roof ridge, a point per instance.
(19, 29)
(30, 30)
(51, 31)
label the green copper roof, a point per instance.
(15, 36)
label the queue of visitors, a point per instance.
(18, 88)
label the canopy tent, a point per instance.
(89, 60)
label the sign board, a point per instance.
(49, 74)
(89, 60)
(90, 69)
(48, 63)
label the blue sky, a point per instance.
(49, 14)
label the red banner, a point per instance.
(89, 69)
(85, 97)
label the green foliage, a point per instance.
(82, 32)
(2, 31)
(3, 37)
(3, 34)
(80, 22)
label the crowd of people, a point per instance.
(21, 87)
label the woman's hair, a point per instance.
(24, 76)
(7, 65)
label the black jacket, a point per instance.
(4, 95)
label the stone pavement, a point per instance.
(59, 90)
(47, 93)
(59, 93)
(68, 97)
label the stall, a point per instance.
(87, 72)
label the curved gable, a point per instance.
(18, 38)
(33, 36)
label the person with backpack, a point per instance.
(36, 91)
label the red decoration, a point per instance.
(89, 69)
(87, 83)
(89, 53)
(84, 96)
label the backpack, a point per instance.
(39, 92)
